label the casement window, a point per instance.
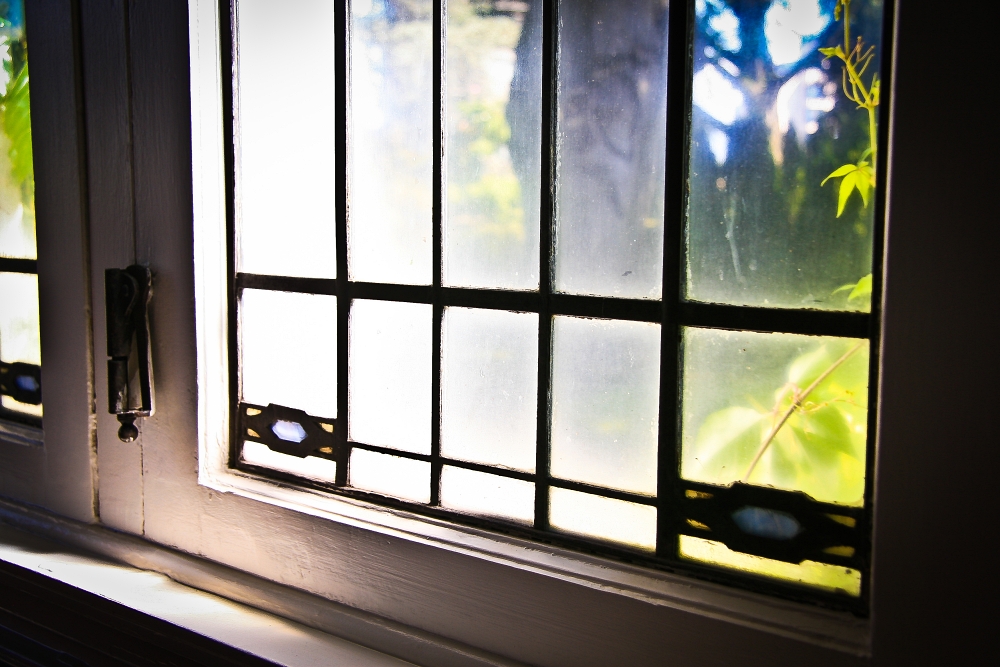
(390, 289)
(20, 347)
(600, 275)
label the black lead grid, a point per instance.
(672, 312)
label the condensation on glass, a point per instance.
(779, 410)
(611, 147)
(605, 402)
(770, 121)
(493, 137)
(390, 375)
(391, 141)
(19, 324)
(288, 350)
(489, 387)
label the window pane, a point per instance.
(611, 143)
(770, 121)
(740, 386)
(603, 518)
(391, 134)
(17, 182)
(390, 380)
(310, 467)
(494, 124)
(284, 133)
(488, 495)
(391, 475)
(19, 338)
(821, 575)
(489, 387)
(605, 402)
(289, 350)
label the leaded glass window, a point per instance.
(602, 274)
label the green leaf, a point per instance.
(863, 289)
(846, 188)
(841, 171)
(829, 51)
(725, 445)
(864, 180)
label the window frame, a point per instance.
(52, 464)
(671, 312)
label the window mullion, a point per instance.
(341, 19)
(545, 269)
(437, 212)
(678, 74)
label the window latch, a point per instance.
(130, 370)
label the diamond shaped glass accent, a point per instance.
(27, 383)
(770, 524)
(289, 431)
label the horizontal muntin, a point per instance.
(696, 314)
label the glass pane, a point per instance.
(19, 337)
(494, 125)
(391, 134)
(391, 475)
(390, 385)
(288, 350)
(489, 495)
(285, 146)
(489, 387)
(17, 181)
(611, 147)
(780, 410)
(603, 518)
(821, 575)
(310, 467)
(605, 402)
(771, 121)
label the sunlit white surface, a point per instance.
(285, 126)
(788, 27)
(271, 637)
(390, 378)
(489, 495)
(489, 387)
(19, 333)
(605, 402)
(603, 518)
(715, 94)
(391, 475)
(289, 350)
(310, 467)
